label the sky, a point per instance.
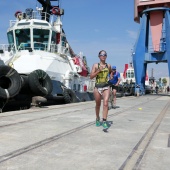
(91, 26)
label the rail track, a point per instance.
(131, 162)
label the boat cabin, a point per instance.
(130, 76)
(37, 30)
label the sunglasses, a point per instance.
(114, 69)
(103, 55)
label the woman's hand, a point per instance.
(100, 68)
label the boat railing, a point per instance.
(40, 46)
(7, 47)
(43, 16)
(24, 46)
(36, 46)
(4, 47)
(57, 48)
(35, 15)
(12, 22)
(54, 48)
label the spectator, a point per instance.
(114, 81)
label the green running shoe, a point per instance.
(97, 123)
(105, 126)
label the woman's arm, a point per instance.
(94, 71)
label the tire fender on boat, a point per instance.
(25, 89)
(56, 10)
(40, 83)
(69, 96)
(10, 82)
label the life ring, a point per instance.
(56, 10)
(10, 82)
(40, 83)
(69, 96)
(17, 13)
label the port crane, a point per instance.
(153, 42)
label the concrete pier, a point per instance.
(64, 137)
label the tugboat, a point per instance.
(39, 61)
(128, 81)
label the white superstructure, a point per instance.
(129, 75)
(38, 41)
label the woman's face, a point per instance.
(103, 56)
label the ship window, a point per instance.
(53, 38)
(63, 39)
(22, 38)
(10, 37)
(128, 75)
(41, 35)
(25, 23)
(40, 38)
(78, 87)
(40, 23)
(132, 74)
(74, 87)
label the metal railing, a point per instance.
(4, 47)
(35, 15)
(157, 48)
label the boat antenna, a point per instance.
(36, 4)
(46, 4)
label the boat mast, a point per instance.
(46, 4)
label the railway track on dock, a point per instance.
(135, 157)
(62, 113)
(132, 160)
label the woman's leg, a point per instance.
(106, 94)
(97, 97)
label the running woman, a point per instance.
(100, 71)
